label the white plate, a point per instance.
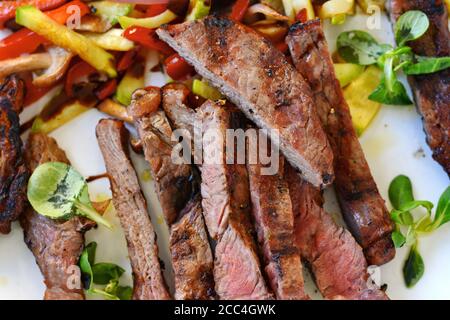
(391, 144)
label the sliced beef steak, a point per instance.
(337, 261)
(256, 76)
(363, 208)
(173, 181)
(431, 91)
(132, 211)
(175, 185)
(272, 212)
(13, 172)
(226, 206)
(56, 245)
(191, 255)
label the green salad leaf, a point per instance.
(102, 273)
(427, 65)
(360, 47)
(58, 191)
(410, 26)
(402, 199)
(414, 267)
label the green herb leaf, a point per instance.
(400, 191)
(360, 47)
(58, 191)
(87, 259)
(414, 268)
(426, 65)
(415, 204)
(410, 26)
(124, 293)
(106, 272)
(398, 238)
(396, 96)
(402, 218)
(442, 215)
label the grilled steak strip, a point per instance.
(272, 212)
(56, 245)
(189, 245)
(191, 255)
(132, 211)
(173, 182)
(226, 206)
(336, 259)
(226, 199)
(255, 76)
(431, 91)
(13, 172)
(363, 208)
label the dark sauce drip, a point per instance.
(97, 177)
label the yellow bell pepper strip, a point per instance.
(198, 9)
(203, 89)
(67, 114)
(110, 40)
(111, 10)
(36, 20)
(362, 109)
(334, 8)
(130, 83)
(150, 23)
(347, 72)
(293, 7)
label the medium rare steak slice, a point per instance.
(191, 255)
(175, 184)
(132, 211)
(56, 245)
(13, 172)
(256, 76)
(431, 91)
(226, 206)
(363, 207)
(272, 212)
(337, 261)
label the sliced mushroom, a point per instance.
(258, 9)
(60, 59)
(93, 23)
(30, 62)
(115, 109)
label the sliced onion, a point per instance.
(29, 62)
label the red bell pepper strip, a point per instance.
(106, 90)
(147, 38)
(302, 15)
(239, 9)
(27, 41)
(155, 9)
(34, 93)
(126, 60)
(8, 8)
(282, 46)
(177, 68)
(77, 71)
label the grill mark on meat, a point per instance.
(56, 245)
(336, 259)
(431, 91)
(226, 206)
(279, 99)
(175, 185)
(13, 172)
(191, 255)
(226, 200)
(363, 208)
(274, 219)
(132, 211)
